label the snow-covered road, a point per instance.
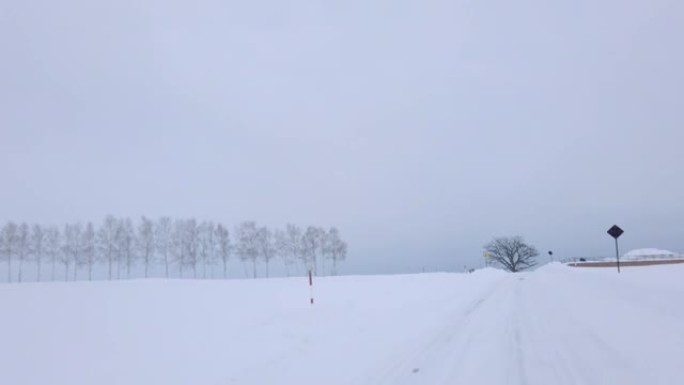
(557, 325)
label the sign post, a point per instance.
(615, 232)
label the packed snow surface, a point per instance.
(557, 325)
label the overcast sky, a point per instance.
(420, 128)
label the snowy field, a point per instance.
(557, 325)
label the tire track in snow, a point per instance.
(562, 348)
(436, 361)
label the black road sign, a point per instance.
(615, 231)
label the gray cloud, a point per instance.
(421, 129)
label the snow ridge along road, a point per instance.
(557, 325)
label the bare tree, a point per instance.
(106, 240)
(23, 246)
(125, 240)
(118, 246)
(145, 242)
(213, 256)
(336, 248)
(178, 249)
(207, 245)
(293, 244)
(281, 249)
(224, 247)
(265, 245)
(88, 249)
(311, 244)
(37, 247)
(163, 240)
(52, 247)
(192, 244)
(247, 246)
(69, 248)
(77, 248)
(324, 244)
(512, 253)
(9, 245)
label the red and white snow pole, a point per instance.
(311, 286)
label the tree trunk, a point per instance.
(38, 272)
(90, 271)
(75, 271)
(254, 268)
(9, 268)
(267, 269)
(66, 273)
(147, 264)
(21, 262)
(225, 270)
(110, 268)
(166, 264)
(54, 264)
(204, 269)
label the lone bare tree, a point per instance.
(512, 253)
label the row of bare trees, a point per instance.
(118, 246)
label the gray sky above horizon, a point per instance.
(421, 129)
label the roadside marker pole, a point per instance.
(311, 286)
